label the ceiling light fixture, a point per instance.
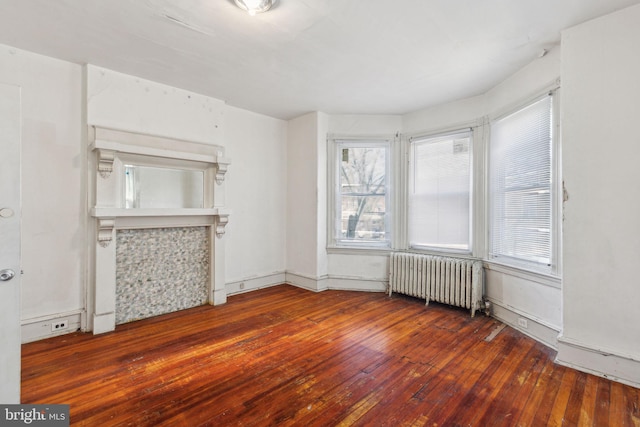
(255, 6)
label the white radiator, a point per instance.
(452, 281)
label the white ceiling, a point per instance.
(336, 56)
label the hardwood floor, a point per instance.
(286, 356)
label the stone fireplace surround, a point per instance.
(109, 149)
(160, 270)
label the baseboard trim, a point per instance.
(538, 330)
(600, 362)
(347, 283)
(338, 283)
(103, 323)
(254, 283)
(314, 284)
(39, 328)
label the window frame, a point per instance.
(468, 132)
(336, 144)
(554, 267)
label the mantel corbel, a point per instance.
(222, 164)
(105, 231)
(105, 162)
(221, 222)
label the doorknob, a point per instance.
(6, 274)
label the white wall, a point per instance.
(321, 195)
(529, 81)
(601, 107)
(123, 102)
(53, 189)
(302, 208)
(442, 117)
(256, 186)
(364, 125)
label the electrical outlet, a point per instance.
(59, 325)
(522, 322)
(242, 285)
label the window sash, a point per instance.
(521, 227)
(362, 196)
(440, 192)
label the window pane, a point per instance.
(520, 185)
(440, 192)
(362, 196)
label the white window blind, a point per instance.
(520, 185)
(440, 192)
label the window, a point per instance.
(440, 192)
(520, 186)
(362, 193)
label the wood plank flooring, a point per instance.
(285, 356)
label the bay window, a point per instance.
(489, 190)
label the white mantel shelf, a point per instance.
(98, 212)
(119, 218)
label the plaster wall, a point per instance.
(120, 101)
(53, 190)
(256, 186)
(601, 320)
(302, 208)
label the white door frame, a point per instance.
(10, 214)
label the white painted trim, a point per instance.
(537, 329)
(601, 362)
(332, 179)
(314, 284)
(341, 283)
(255, 283)
(104, 322)
(153, 145)
(39, 328)
(354, 250)
(543, 279)
(100, 212)
(347, 283)
(105, 196)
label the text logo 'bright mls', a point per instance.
(34, 415)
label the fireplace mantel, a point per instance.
(109, 151)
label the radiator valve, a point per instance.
(487, 308)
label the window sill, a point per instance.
(442, 252)
(547, 279)
(359, 250)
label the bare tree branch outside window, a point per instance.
(363, 193)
